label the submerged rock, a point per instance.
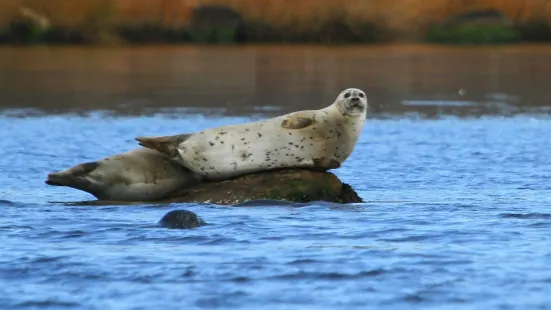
(181, 219)
(297, 185)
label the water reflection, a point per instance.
(428, 80)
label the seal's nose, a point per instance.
(355, 99)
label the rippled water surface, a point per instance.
(456, 212)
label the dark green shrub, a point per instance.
(473, 34)
(538, 30)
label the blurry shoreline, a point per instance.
(140, 22)
(424, 80)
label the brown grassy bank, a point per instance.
(264, 20)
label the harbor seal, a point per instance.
(140, 174)
(181, 219)
(315, 139)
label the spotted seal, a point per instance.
(317, 139)
(181, 219)
(140, 174)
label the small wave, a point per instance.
(240, 279)
(268, 203)
(224, 300)
(527, 216)
(225, 240)
(13, 227)
(437, 103)
(414, 298)
(444, 262)
(302, 261)
(47, 304)
(45, 260)
(329, 275)
(22, 112)
(6, 203)
(545, 224)
(75, 234)
(103, 203)
(407, 239)
(167, 239)
(285, 203)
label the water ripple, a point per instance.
(456, 217)
(527, 216)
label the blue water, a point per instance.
(457, 216)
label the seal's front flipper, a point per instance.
(325, 163)
(297, 122)
(167, 145)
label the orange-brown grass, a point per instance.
(79, 13)
(407, 17)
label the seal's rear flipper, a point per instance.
(325, 163)
(167, 145)
(74, 177)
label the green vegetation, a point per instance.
(150, 33)
(24, 33)
(267, 21)
(220, 35)
(473, 34)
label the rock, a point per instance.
(293, 185)
(214, 24)
(296, 185)
(181, 219)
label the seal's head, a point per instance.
(352, 102)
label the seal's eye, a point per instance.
(346, 95)
(362, 95)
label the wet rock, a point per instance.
(214, 24)
(296, 185)
(181, 219)
(291, 185)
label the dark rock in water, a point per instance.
(296, 185)
(181, 219)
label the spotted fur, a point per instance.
(317, 139)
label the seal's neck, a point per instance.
(339, 109)
(336, 108)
